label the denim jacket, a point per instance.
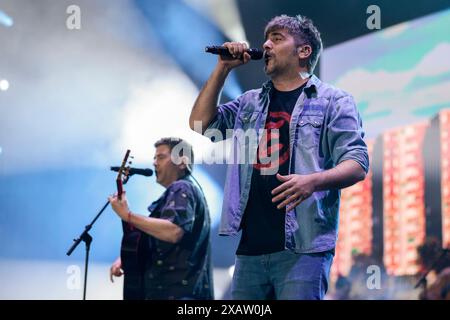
(325, 129)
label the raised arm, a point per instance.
(205, 106)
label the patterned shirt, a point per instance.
(181, 270)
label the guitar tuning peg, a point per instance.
(132, 157)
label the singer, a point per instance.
(167, 254)
(288, 207)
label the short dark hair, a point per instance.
(182, 147)
(303, 31)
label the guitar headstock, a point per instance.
(123, 174)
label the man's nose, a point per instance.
(267, 45)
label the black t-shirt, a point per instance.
(263, 224)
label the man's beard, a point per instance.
(268, 71)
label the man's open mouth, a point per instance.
(267, 57)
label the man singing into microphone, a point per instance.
(169, 252)
(287, 207)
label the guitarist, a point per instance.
(176, 252)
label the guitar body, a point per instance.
(133, 253)
(134, 248)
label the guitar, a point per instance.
(132, 250)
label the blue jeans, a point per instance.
(283, 275)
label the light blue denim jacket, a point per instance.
(325, 129)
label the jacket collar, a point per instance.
(310, 88)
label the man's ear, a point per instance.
(304, 51)
(184, 162)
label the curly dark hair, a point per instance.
(303, 31)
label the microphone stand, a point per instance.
(87, 239)
(423, 279)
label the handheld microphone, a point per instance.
(255, 54)
(132, 171)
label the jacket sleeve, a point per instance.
(345, 133)
(224, 119)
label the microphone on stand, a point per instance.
(131, 171)
(255, 54)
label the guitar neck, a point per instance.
(122, 171)
(119, 188)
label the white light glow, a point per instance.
(6, 20)
(4, 85)
(158, 109)
(231, 271)
(225, 13)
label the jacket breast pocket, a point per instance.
(247, 120)
(309, 128)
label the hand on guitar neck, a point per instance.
(120, 206)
